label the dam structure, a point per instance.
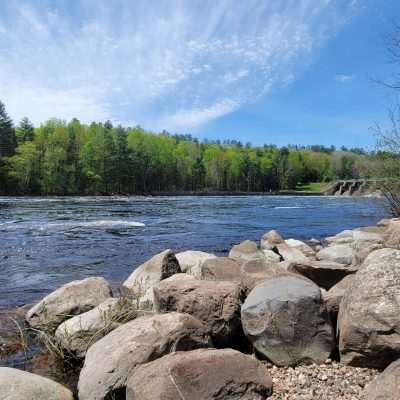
(353, 187)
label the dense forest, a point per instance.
(61, 158)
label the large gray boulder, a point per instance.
(215, 303)
(201, 375)
(159, 267)
(340, 253)
(286, 320)
(77, 334)
(324, 273)
(368, 321)
(111, 360)
(20, 385)
(191, 261)
(221, 269)
(74, 298)
(386, 386)
(246, 250)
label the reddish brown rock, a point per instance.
(215, 303)
(201, 375)
(111, 360)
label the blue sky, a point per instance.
(282, 71)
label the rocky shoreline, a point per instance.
(280, 319)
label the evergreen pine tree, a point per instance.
(25, 131)
(8, 141)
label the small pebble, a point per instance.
(332, 381)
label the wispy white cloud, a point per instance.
(171, 64)
(343, 78)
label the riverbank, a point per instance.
(331, 285)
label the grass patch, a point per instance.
(316, 187)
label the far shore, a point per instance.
(175, 193)
(198, 194)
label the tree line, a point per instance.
(67, 158)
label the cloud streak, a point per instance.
(343, 78)
(167, 65)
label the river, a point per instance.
(46, 242)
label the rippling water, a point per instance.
(46, 242)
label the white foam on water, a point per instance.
(284, 207)
(99, 223)
(72, 224)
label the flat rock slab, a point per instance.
(324, 273)
(201, 375)
(111, 360)
(20, 385)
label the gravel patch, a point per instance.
(329, 381)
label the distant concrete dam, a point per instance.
(353, 187)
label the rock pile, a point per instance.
(287, 307)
